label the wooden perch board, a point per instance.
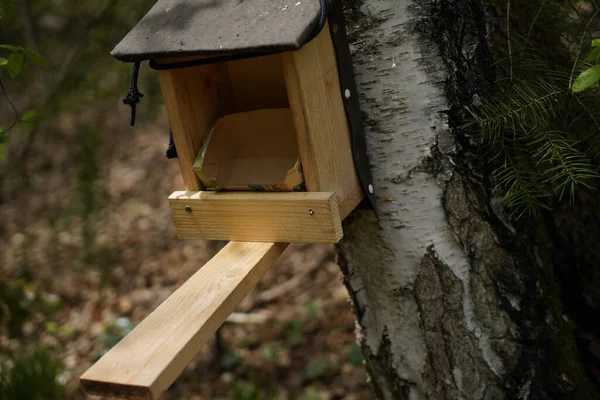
(296, 217)
(151, 357)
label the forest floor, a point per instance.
(90, 241)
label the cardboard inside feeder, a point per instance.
(254, 150)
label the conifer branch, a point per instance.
(535, 102)
(522, 193)
(566, 167)
(547, 137)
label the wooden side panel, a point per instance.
(316, 101)
(351, 201)
(305, 217)
(149, 359)
(258, 83)
(194, 97)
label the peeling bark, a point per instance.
(452, 301)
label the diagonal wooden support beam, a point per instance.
(147, 361)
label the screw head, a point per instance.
(188, 209)
(347, 93)
(371, 190)
(311, 212)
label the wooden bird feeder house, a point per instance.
(262, 104)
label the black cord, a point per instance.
(133, 94)
(171, 150)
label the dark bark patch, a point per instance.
(458, 32)
(508, 272)
(517, 276)
(455, 368)
(438, 297)
(383, 372)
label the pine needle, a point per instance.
(524, 104)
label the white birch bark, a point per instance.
(440, 301)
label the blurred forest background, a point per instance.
(88, 246)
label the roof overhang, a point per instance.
(216, 27)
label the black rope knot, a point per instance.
(171, 150)
(133, 94)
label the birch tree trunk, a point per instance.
(452, 301)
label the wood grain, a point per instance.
(149, 359)
(257, 216)
(258, 83)
(315, 98)
(194, 97)
(254, 147)
(351, 201)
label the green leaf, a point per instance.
(36, 58)
(15, 64)
(586, 79)
(230, 360)
(594, 56)
(310, 394)
(316, 370)
(3, 138)
(27, 115)
(11, 47)
(3, 61)
(26, 118)
(312, 309)
(2, 153)
(269, 352)
(246, 391)
(51, 326)
(596, 43)
(295, 336)
(355, 356)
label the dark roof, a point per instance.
(197, 27)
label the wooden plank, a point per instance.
(315, 98)
(351, 202)
(149, 359)
(258, 83)
(194, 97)
(304, 217)
(309, 163)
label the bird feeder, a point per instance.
(262, 104)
